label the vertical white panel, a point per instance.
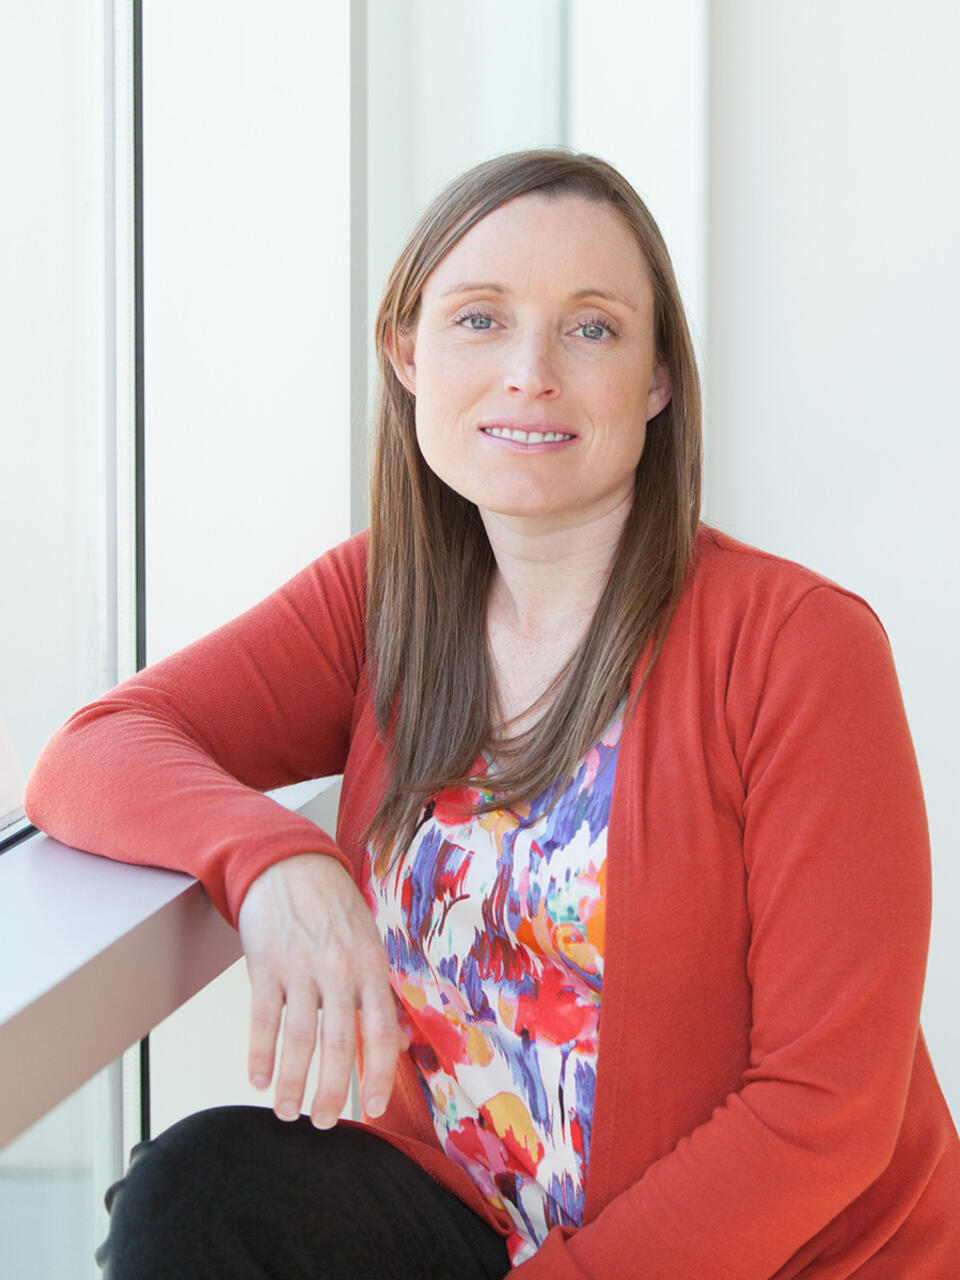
(393, 137)
(250, 154)
(451, 85)
(638, 99)
(486, 80)
(56, 647)
(359, 268)
(835, 270)
(121, 315)
(247, 199)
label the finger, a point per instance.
(338, 1047)
(266, 1007)
(299, 1041)
(382, 1041)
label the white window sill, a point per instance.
(93, 953)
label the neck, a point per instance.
(550, 577)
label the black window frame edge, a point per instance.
(15, 831)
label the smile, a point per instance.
(525, 437)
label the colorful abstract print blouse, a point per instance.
(494, 929)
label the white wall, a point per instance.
(247, 323)
(834, 273)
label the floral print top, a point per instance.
(494, 927)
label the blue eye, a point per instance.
(600, 327)
(475, 315)
(595, 329)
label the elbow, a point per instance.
(40, 784)
(48, 782)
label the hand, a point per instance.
(311, 943)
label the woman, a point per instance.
(629, 898)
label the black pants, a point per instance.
(233, 1193)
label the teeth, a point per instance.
(527, 437)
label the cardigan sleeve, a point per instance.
(837, 862)
(169, 767)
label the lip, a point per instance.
(529, 424)
(543, 426)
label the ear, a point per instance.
(661, 389)
(402, 360)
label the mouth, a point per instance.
(527, 437)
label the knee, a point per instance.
(208, 1142)
(173, 1188)
(189, 1161)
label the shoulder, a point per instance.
(732, 585)
(337, 580)
(724, 564)
(347, 562)
(749, 613)
(322, 606)
(765, 646)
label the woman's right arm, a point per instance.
(169, 769)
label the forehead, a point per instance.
(567, 244)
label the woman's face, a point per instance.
(532, 362)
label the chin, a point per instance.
(531, 511)
(519, 499)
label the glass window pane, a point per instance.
(55, 642)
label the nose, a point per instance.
(532, 367)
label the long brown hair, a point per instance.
(431, 565)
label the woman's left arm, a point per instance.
(838, 890)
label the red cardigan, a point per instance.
(765, 1106)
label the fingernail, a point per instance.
(287, 1110)
(376, 1106)
(260, 1081)
(324, 1122)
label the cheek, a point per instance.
(425, 433)
(448, 383)
(436, 438)
(447, 399)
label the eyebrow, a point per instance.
(469, 286)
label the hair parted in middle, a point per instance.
(430, 562)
